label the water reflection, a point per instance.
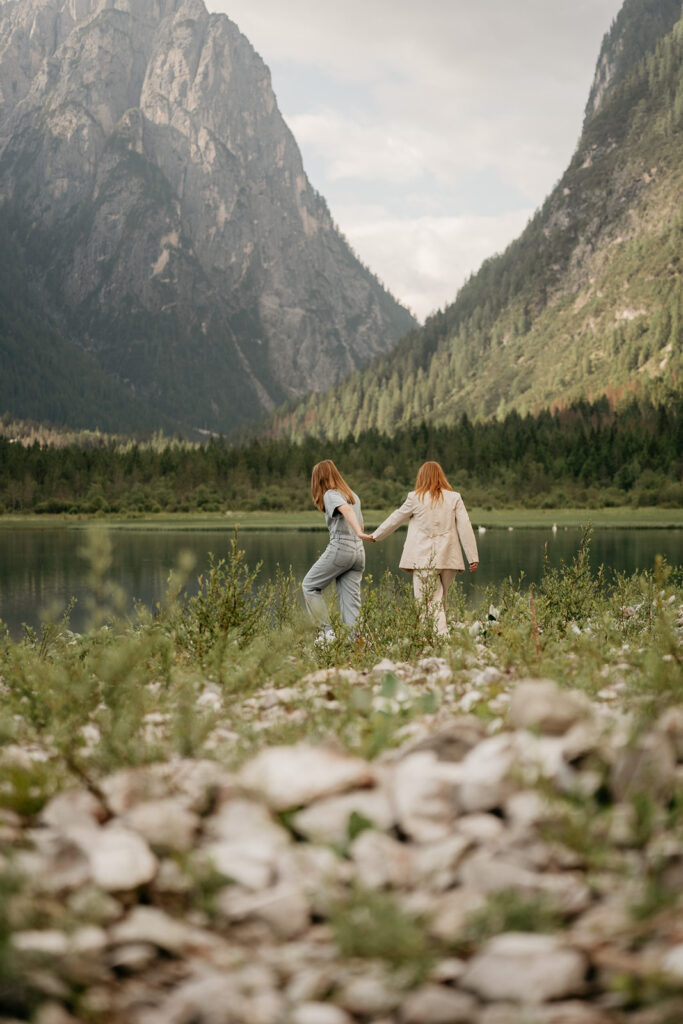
(40, 568)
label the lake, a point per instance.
(41, 569)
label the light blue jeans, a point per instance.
(342, 562)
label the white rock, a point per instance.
(318, 1013)
(485, 676)
(210, 698)
(153, 926)
(435, 864)
(327, 821)
(672, 962)
(95, 906)
(600, 924)
(453, 910)
(212, 998)
(165, 824)
(241, 819)
(247, 842)
(469, 700)
(171, 879)
(88, 941)
(485, 771)
(380, 860)
(649, 766)
(312, 866)
(309, 984)
(525, 968)
(422, 791)
(194, 783)
(481, 828)
(543, 758)
(526, 808)
(298, 775)
(368, 995)
(436, 1004)
(49, 942)
(572, 1012)
(488, 872)
(670, 724)
(436, 668)
(284, 908)
(50, 1013)
(453, 742)
(540, 704)
(395, 668)
(249, 862)
(448, 971)
(581, 739)
(72, 807)
(65, 865)
(135, 957)
(119, 859)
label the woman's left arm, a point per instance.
(466, 533)
(350, 517)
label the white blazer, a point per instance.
(435, 532)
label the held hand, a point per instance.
(366, 536)
(473, 566)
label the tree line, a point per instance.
(587, 455)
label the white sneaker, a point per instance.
(324, 637)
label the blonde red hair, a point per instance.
(431, 480)
(326, 477)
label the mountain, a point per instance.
(166, 262)
(588, 301)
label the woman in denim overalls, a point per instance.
(343, 560)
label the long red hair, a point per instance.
(326, 477)
(431, 480)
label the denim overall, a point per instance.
(342, 561)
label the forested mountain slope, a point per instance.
(588, 300)
(165, 260)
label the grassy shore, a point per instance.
(600, 518)
(130, 809)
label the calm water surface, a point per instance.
(42, 569)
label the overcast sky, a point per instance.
(433, 128)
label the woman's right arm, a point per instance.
(393, 521)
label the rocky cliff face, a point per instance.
(633, 34)
(159, 202)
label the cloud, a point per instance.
(426, 259)
(361, 149)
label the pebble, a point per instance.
(540, 704)
(290, 777)
(525, 968)
(238, 920)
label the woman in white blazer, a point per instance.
(437, 524)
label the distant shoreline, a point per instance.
(624, 517)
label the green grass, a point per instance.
(600, 518)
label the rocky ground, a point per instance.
(518, 866)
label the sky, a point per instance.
(433, 128)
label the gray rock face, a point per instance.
(157, 195)
(628, 40)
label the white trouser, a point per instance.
(440, 580)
